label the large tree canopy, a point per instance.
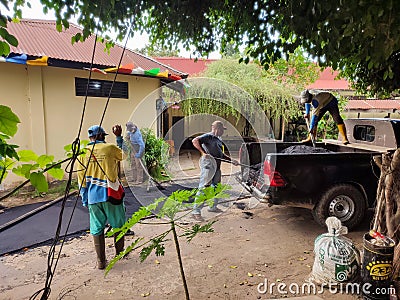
(358, 36)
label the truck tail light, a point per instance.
(274, 178)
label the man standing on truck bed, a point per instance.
(321, 103)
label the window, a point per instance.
(364, 133)
(101, 88)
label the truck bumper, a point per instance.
(263, 197)
(280, 197)
(276, 196)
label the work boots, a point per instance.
(100, 246)
(342, 131)
(313, 133)
(119, 245)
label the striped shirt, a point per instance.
(93, 182)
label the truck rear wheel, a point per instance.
(342, 201)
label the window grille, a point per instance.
(101, 88)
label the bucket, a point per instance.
(376, 269)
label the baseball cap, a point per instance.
(130, 125)
(304, 96)
(96, 130)
(218, 124)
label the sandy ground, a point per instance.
(274, 244)
(249, 247)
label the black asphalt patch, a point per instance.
(40, 227)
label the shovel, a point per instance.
(311, 135)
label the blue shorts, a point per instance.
(102, 212)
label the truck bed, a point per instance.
(254, 153)
(342, 181)
(357, 147)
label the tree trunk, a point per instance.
(396, 266)
(387, 212)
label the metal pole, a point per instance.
(228, 161)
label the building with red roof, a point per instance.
(328, 80)
(190, 66)
(44, 80)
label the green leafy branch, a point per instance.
(192, 232)
(272, 90)
(173, 208)
(156, 244)
(34, 169)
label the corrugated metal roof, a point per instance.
(373, 104)
(40, 38)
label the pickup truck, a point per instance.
(331, 179)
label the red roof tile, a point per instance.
(40, 38)
(327, 81)
(373, 104)
(187, 65)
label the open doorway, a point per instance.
(178, 131)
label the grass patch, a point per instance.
(56, 189)
(28, 195)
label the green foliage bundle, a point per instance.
(35, 167)
(296, 72)
(235, 87)
(7, 38)
(156, 154)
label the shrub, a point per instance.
(156, 154)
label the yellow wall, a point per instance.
(14, 93)
(50, 113)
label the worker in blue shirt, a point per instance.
(136, 146)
